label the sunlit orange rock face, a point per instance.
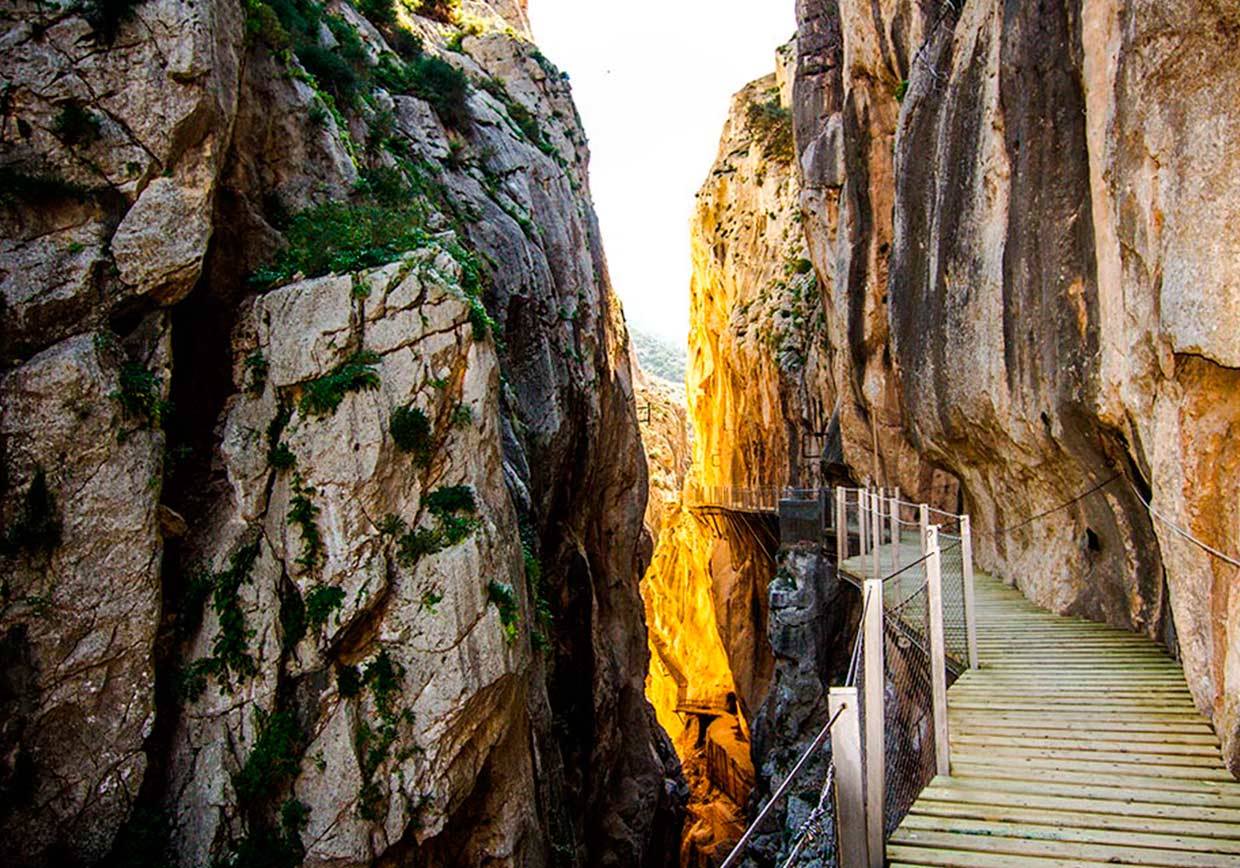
(756, 381)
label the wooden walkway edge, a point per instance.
(1073, 744)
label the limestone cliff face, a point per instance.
(323, 484)
(757, 363)
(758, 391)
(1028, 218)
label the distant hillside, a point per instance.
(659, 356)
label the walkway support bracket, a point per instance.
(850, 813)
(875, 763)
(938, 663)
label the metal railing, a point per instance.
(888, 730)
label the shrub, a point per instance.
(321, 601)
(257, 367)
(279, 455)
(333, 73)
(262, 22)
(416, 544)
(357, 373)
(901, 90)
(383, 676)
(340, 237)
(229, 650)
(302, 512)
(771, 125)
(36, 527)
(433, 79)
(379, 12)
(504, 598)
(274, 759)
(407, 45)
(75, 125)
(451, 499)
(445, 11)
(411, 431)
(139, 394)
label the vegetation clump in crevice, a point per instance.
(382, 676)
(411, 432)
(256, 369)
(321, 601)
(504, 598)
(302, 513)
(357, 373)
(454, 511)
(770, 124)
(230, 657)
(279, 455)
(443, 11)
(273, 763)
(534, 578)
(75, 125)
(139, 395)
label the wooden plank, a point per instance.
(1092, 813)
(1124, 791)
(1078, 743)
(1104, 777)
(1145, 769)
(1065, 830)
(1017, 846)
(1088, 752)
(983, 727)
(920, 856)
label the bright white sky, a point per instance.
(652, 80)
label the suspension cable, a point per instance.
(1007, 530)
(1158, 516)
(810, 828)
(739, 849)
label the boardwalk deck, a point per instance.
(1074, 744)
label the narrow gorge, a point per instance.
(342, 526)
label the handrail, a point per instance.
(739, 849)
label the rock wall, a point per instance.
(323, 483)
(757, 381)
(758, 388)
(1028, 218)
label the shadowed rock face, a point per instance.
(1041, 312)
(254, 619)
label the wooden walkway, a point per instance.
(1074, 744)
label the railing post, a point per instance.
(875, 682)
(894, 505)
(841, 524)
(863, 518)
(876, 503)
(849, 789)
(923, 520)
(970, 613)
(938, 663)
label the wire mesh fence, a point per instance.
(952, 571)
(907, 711)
